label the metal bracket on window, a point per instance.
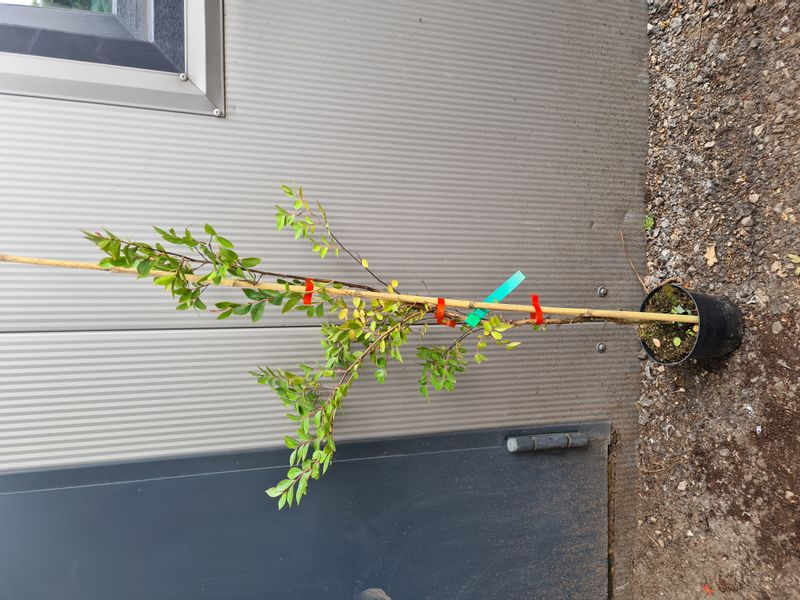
(546, 441)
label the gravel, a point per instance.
(718, 437)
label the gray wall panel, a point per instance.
(412, 122)
(96, 396)
(453, 143)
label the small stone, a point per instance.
(709, 145)
(754, 197)
(644, 416)
(646, 401)
(747, 221)
(682, 486)
(670, 83)
(724, 452)
(788, 495)
(777, 327)
(758, 130)
(689, 533)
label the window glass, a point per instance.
(146, 34)
(99, 6)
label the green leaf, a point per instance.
(224, 243)
(257, 311)
(242, 309)
(251, 262)
(209, 230)
(229, 256)
(288, 191)
(143, 268)
(676, 341)
(253, 294)
(276, 491)
(290, 304)
(165, 280)
(512, 345)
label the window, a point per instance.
(159, 54)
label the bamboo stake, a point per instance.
(618, 315)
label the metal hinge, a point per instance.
(546, 441)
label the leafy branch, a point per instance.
(364, 330)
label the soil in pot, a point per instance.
(670, 342)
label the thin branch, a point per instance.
(353, 256)
(259, 272)
(630, 262)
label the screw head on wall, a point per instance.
(602, 291)
(601, 347)
(217, 112)
(183, 77)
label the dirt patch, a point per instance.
(719, 510)
(669, 342)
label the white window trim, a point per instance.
(201, 90)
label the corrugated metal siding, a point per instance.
(496, 133)
(123, 395)
(453, 143)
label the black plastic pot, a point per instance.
(721, 326)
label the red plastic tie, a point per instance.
(440, 314)
(538, 314)
(309, 291)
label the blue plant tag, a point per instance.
(498, 295)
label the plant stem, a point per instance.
(585, 313)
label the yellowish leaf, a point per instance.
(395, 283)
(711, 255)
(364, 263)
(343, 314)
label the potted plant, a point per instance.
(371, 323)
(719, 329)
